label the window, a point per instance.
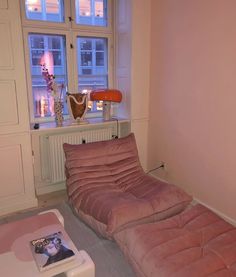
(91, 12)
(92, 65)
(76, 54)
(49, 50)
(46, 10)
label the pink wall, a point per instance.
(193, 98)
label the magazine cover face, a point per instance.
(50, 250)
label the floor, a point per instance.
(45, 200)
(51, 199)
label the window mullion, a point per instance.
(93, 55)
(44, 13)
(92, 11)
(60, 13)
(63, 61)
(71, 62)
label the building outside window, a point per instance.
(77, 53)
(92, 64)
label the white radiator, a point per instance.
(56, 153)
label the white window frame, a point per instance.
(69, 57)
(102, 29)
(71, 31)
(49, 24)
(110, 53)
(110, 65)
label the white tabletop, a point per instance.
(16, 258)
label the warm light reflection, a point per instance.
(34, 5)
(85, 7)
(47, 59)
(51, 105)
(52, 6)
(30, 2)
(43, 107)
(99, 8)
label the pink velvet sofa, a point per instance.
(194, 243)
(109, 190)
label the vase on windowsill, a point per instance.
(77, 105)
(58, 110)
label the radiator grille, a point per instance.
(56, 153)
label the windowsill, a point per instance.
(69, 124)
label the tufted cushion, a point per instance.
(108, 188)
(194, 243)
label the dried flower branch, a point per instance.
(52, 86)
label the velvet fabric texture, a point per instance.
(107, 185)
(194, 243)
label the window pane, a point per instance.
(99, 10)
(37, 42)
(99, 59)
(57, 57)
(33, 6)
(86, 44)
(99, 44)
(55, 43)
(91, 12)
(86, 58)
(85, 8)
(46, 10)
(52, 6)
(92, 66)
(55, 62)
(36, 56)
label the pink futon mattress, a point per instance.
(109, 190)
(194, 243)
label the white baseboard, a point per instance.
(50, 188)
(18, 204)
(222, 215)
(157, 177)
(196, 200)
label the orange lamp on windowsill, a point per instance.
(107, 96)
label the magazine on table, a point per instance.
(50, 251)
